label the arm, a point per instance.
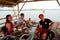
(15, 25)
(39, 26)
(50, 25)
(38, 29)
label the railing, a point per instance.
(5, 18)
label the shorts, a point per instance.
(44, 31)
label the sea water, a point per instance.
(53, 15)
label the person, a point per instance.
(44, 26)
(8, 25)
(29, 23)
(21, 21)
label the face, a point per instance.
(41, 17)
(29, 18)
(10, 18)
(22, 17)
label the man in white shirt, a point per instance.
(21, 21)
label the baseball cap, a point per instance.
(41, 15)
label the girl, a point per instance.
(8, 25)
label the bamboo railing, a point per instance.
(5, 18)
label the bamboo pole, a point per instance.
(19, 10)
(14, 12)
(22, 7)
(5, 18)
(58, 2)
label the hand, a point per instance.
(49, 28)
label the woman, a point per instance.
(8, 25)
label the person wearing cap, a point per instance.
(44, 26)
(21, 21)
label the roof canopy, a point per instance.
(11, 3)
(33, 5)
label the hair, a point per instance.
(7, 18)
(22, 14)
(7, 21)
(41, 15)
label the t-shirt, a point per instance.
(45, 24)
(20, 20)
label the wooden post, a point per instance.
(18, 9)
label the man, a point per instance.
(44, 26)
(21, 21)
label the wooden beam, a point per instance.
(22, 7)
(58, 2)
(5, 18)
(7, 3)
(18, 9)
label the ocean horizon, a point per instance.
(53, 15)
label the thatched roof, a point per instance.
(11, 3)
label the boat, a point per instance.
(15, 4)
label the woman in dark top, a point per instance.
(8, 25)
